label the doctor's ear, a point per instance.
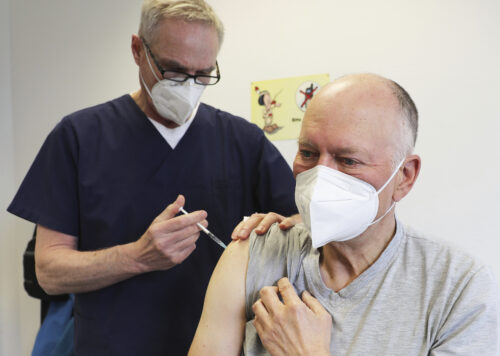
(407, 176)
(137, 48)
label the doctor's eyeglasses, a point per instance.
(180, 77)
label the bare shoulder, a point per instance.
(233, 262)
(237, 248)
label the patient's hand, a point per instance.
(294, 326)
(261, 223)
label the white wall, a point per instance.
(10, 248)
(65, 55)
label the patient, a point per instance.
(368, 285)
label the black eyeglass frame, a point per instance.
(186, 76)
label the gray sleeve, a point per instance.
(272, 256)
(472, 326)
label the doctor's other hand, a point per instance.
(294, 326)
(170, 239)
(261, 223)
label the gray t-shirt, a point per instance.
(418, 298)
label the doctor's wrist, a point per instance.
(130, 256)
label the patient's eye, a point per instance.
(306, 154)
(347, 161)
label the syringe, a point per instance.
(205, 230)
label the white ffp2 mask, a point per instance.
(173, 100)
(335, 206)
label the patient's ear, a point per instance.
(407, 176)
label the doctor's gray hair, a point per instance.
(154, 11)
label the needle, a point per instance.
(205, 230)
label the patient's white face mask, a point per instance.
(335, 206)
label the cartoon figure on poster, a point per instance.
(305, 93)
(278, 105)
(268, 104)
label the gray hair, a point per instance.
(154, 11)
(409, 124)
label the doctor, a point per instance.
(99, 191)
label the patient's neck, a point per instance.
(342, 262)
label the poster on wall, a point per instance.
(278, 105)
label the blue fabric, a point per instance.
(104, 173)
(56, 328)
(65, 346)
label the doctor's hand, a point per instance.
(294, 326)
(170, 239)
(261, 223)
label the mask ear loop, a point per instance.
(392, 176)
(385, 185)
(149, 62)
(145, 85)
(383, 216)
(150, 68)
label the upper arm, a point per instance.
(221, 327)
(48, 239)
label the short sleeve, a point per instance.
(48, 194)
(472, 326)
(272, 256)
